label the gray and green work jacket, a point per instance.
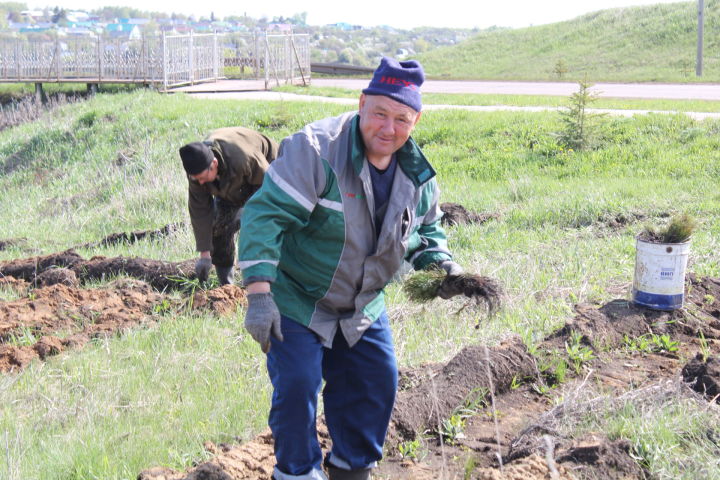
(310, 228)
(243, 156)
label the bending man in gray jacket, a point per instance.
(348, 199)
(223, 171)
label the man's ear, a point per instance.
(417, 119)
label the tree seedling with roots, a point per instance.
(427, 285)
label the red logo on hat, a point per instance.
(398, 81)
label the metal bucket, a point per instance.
(659, 281)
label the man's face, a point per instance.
(385, 125)
(208, 175)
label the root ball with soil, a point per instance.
(426, 285)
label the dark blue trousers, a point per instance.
(359, 393)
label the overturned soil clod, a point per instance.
(57, 275)
(161, 275)
(222, 300)
(703, 375)
(28, 268)
(456, 214)
(435, 398)
(475, 287)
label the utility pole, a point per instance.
(701, 21)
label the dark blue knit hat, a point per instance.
(398, 80)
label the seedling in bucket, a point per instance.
(660, 262)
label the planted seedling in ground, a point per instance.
(578, 353)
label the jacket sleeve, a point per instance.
(290, 190)
(428, 243)
(200, 205)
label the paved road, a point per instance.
(618, 90)
(291, 97)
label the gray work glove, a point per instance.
(447, 288)
(225, 275)
(262, 318)
(202, 268)
(451, 268)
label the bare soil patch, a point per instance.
(506, 417)
(456, 214)
(56, 312)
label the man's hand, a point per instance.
(262, 318)
(202, 268)
(450, 287)
(451, 268)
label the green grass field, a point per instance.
(152, 396)
(655, 43)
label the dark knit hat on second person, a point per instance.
(398, 80)
(196, 157)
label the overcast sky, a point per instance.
(399, 14)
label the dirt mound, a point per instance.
(159, 274)
(475, 371)
(28, 268)
(533, 467)
(456, 214)
(222, 300)
(75, 315)
(704, 293)
(596, 457)
(252, 460)
(13, 283)
(57, 275)
(78, 313)
(703, 375)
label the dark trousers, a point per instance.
(226, 225)
(360, 386)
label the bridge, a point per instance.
(162, 61)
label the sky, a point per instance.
(398, 14)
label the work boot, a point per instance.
(224, 274)
(340, 474)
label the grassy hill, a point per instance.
(154, 395)
(651, 43)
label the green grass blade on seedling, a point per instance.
(679, 230)
(422, 286)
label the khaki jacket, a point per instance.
(243, 156)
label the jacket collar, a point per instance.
(410, 158)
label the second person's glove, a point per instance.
(202, 268)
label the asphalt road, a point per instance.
(694, 91)
(254, 90)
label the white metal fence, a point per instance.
(165, 61)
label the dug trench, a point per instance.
(490, 413)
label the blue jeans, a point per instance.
(359, 393)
